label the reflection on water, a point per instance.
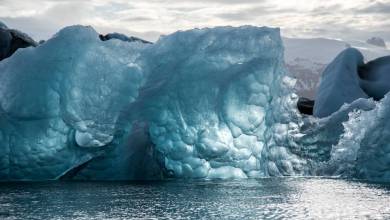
(274, 198)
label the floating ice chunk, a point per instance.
(226, 173)
(85, 139)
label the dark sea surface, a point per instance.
(271, 198)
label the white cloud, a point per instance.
(333, 18)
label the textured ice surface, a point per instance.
(352, 137)
(204, 103)
(362, 149)
(221, 107)
(61, 99)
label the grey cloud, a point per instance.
(235, 16)
(136, 18)
(40, 29)
(223, 2)
(140, 18)
(35, 27)
(378, 7)
(184, 9)
(326, 10)
(43, 26)
(252, 13)
(113, 7)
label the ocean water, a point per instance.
(271, 198)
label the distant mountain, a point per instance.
(377, 41)
(306, 59)
(122, 37)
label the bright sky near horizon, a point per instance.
(342, 19)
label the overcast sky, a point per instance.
(341, 19)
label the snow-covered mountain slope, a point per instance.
(306, 59)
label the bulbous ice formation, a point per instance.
(61, 98)
(219, 110)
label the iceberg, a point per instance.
(307, 58)
(194, 105)
(352, 105)
(340, 83)
(348, 78)
(11, 40)
(361, 149)
(211, 103)
(61, 100)
(375, 77)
